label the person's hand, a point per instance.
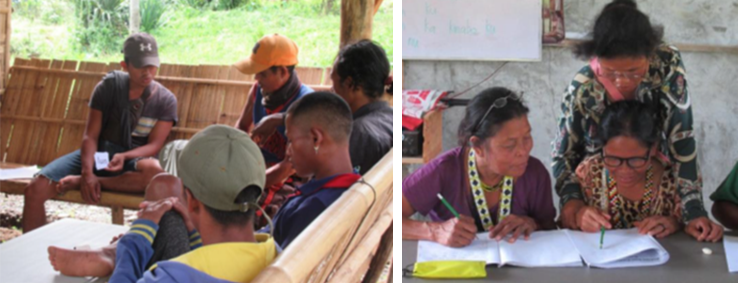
(182, 210)
(454, 232)
(154, 210)
(569, 213)
(116, 238)
(658, 226)
(90, 188)
(266, 127)
(704, 230)
(516, 225)
(591, 219)
(116, 164)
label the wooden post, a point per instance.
(356, 20)
(383, 254)
(117, 212)
(6, 46)
(135, 17)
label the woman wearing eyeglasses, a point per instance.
(626, 185)
(490, 180)
(629, 61)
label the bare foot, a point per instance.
(70, 182)
(80, 263)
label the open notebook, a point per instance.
(543, 249)
(621, 248)
(560, 248)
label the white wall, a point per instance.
(712, 79)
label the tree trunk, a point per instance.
(356, 20)
(135, 17)
(328, 6)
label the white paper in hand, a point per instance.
(101, 160)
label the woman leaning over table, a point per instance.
(490, 179)
(629, 61)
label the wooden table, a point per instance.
(26, 259)
(687, 263)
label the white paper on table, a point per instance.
(621, 248)
(731, 252)
(101, 160)
(481, 249)
(19, 173)
(542, 249)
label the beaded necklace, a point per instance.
(478, 188)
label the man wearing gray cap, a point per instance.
(130, 118)
(223, 174)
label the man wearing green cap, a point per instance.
(223, 174)
(130, 118)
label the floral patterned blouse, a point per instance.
(665, 88)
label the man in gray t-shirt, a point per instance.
(130, 118)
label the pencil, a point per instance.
(602, 236)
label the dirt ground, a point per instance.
(11, 211)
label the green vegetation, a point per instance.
(215, 32)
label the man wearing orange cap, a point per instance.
(272, 62)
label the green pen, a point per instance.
(602, 236)
(451, 208)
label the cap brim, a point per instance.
(146, 61)
(249, 67)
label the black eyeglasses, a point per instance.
(498, 103)
(633, 162)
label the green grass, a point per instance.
(204, 36)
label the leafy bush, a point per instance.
(197, 4)
(226, 4)
(151, 14)
(51, 12)
(102, 25)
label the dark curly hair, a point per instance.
(367, 65)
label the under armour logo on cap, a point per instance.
(140, 50)
(145, 47)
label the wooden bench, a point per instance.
(351, 241)
(44, 110)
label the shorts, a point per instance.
(71, 164)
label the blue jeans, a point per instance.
(71, 164)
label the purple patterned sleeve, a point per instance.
(421, 187)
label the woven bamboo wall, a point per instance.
(44, 108)
(5, 14)
(339, 245)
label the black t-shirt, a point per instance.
(156, 104)
(371, 136)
